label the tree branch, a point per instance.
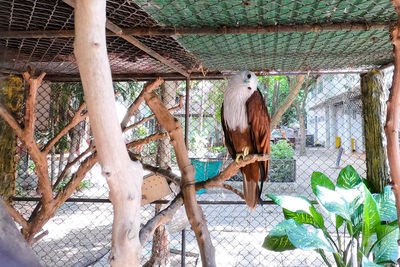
(234, 190)
(169, 175)
(78, 117)
(193, 210)
(11, 121)
(34, 84)
(148, 87)
(152, 116)
(288, 101)
(161, 218)
(16, 215)
(231, 170)
(146, 140)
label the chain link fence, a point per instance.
(321, 131)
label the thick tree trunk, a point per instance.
(372, 99)
(123, 176)
(11, 95)
(276, 117)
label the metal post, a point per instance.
(187, 111)
(183, 251)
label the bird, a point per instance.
(246, 126)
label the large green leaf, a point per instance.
(318, 178)
(307, 238)
(299, 217)
(367, 263)
(371, 218)
(298, 208)
(348, 178)
(342, 202)
(277, 239)
(386, 248)
(386, 204)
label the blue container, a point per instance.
(205, 169)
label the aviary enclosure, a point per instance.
(308, 56)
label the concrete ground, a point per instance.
(80, 233)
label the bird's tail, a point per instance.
(251, 175)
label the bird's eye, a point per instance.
(249, 76)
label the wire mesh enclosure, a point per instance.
(321, 131)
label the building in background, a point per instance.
(334, 112)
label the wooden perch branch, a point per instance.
(161, 218)
(193, 210)
(34, 84)
(78, 117)
(146, 140)
(149, 87)
(231, 170)
(393, 114)
(234, 190)
(152, 116)
(169, 175)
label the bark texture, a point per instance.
(12, 95)
(193, 210)
(372, 99)
(124, 177)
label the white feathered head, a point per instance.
(244, 83)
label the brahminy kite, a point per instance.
(246, 125)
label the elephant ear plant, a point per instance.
(364, 230)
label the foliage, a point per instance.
(282, 150)
(369, 219)
(82, 185)
(218, 149)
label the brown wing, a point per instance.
(228, 137)
(259, 122)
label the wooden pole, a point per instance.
(393, 114)
(168, 31)
(193, 210)
(123, 176)
(372, 99)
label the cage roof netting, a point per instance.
(199, 36)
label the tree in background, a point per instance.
(12, 95)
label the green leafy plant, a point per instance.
(282, 150)
(363, 222)
(282, 163)
(218, 149)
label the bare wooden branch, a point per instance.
(168, 31)
(161, 218)
(169, 175)
(234, 190)
(393, 114)
(78, 117)
(16, 215)
(179, 106)
(148, 87)
(33, 85)
(123, 176)
(193, 210)
(146, 140)
(11, 121)
(231, 170)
